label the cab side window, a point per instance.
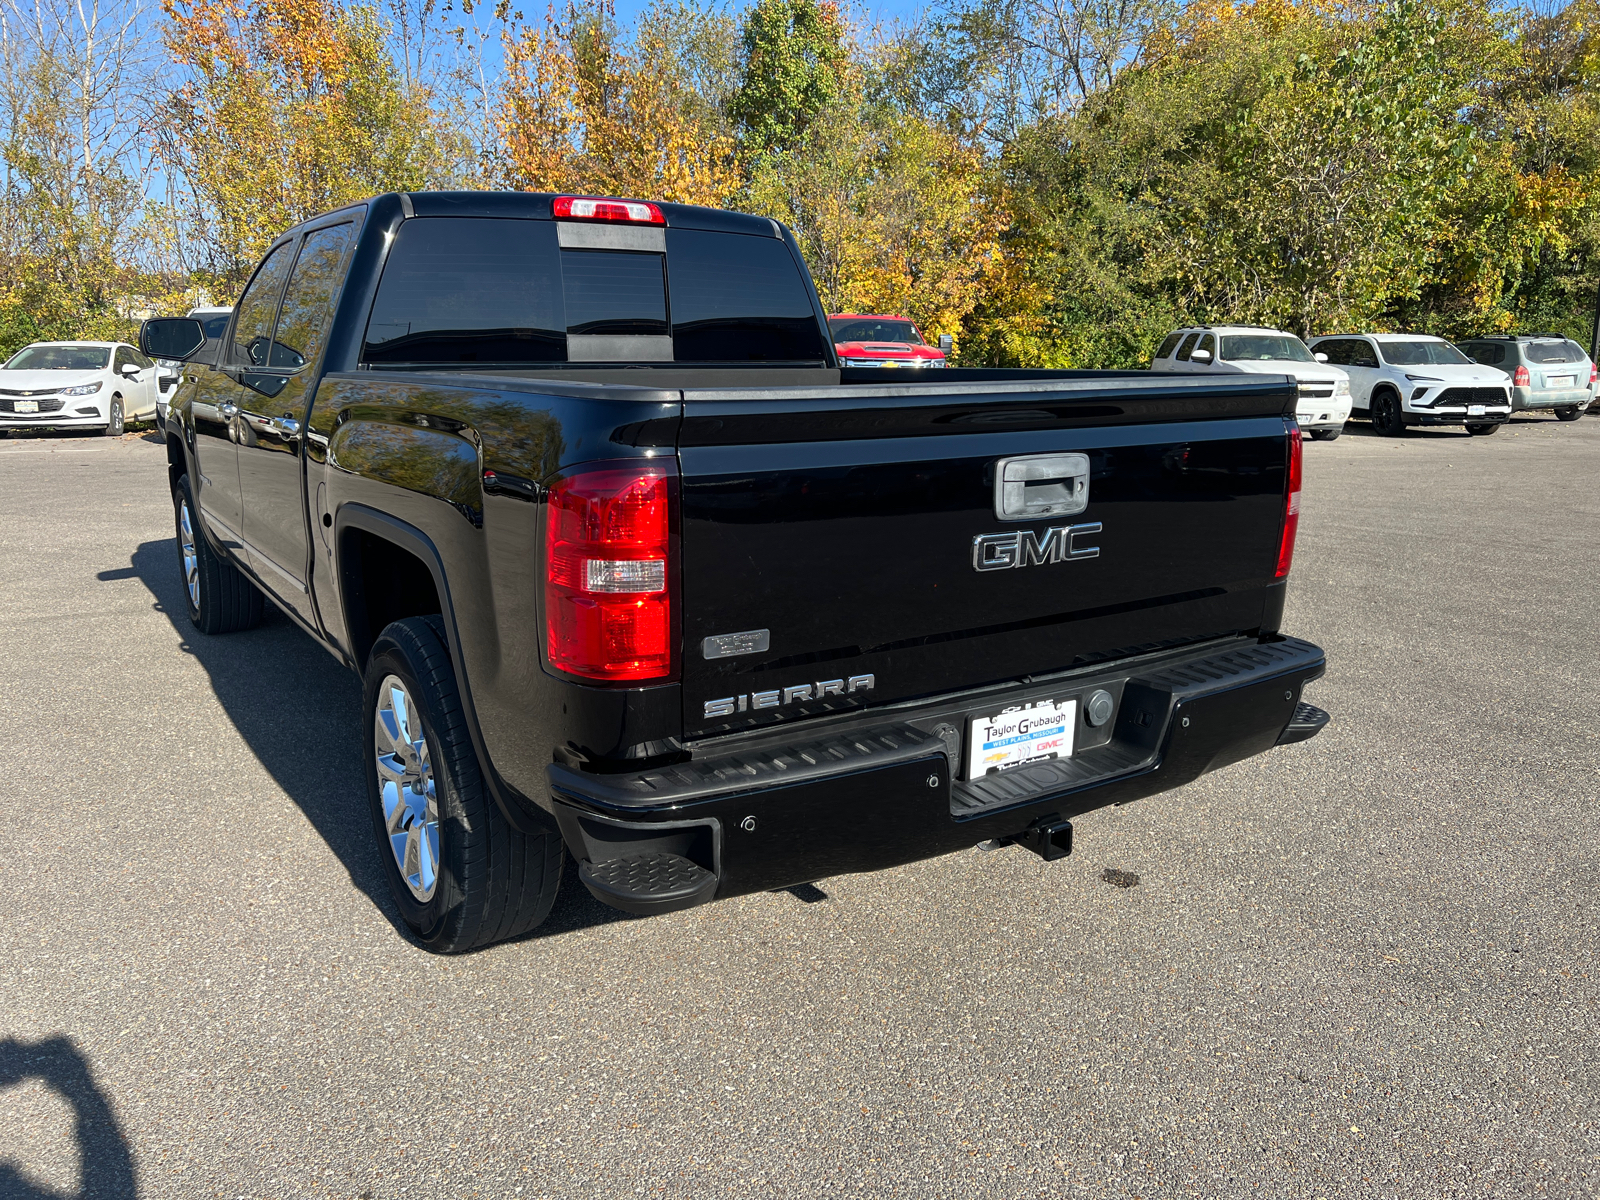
(258, 307)
(1188, 347)
(309, 300)
(1208, 344)
(123, 358)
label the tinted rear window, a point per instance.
(614, 292)
(1541, 353)
(469, 290)
(1168, 346)
(738, 298)
(498, 291)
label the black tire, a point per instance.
(220, 598)
(1386, 420)
(1326, 435)
(114, 421)
(492, 882)
(1570, 413)
(1482, 429)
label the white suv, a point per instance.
(1324, 403)
(1402, 379)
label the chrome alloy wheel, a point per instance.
(191, 559)
(407, 788)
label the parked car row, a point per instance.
(91, 385)
(1398, 380)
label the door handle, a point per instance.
(286, 425)
(230, 411)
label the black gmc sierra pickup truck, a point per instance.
(633, 570)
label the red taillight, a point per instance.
(609, 572)
(600, 208)
(1594, 373)
(1291, 504)
(1521, 378)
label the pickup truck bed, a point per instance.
(714, 628)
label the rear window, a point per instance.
(494, 291)
(739, 298)
(1540, 353)
(469, 290)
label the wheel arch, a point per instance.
(373, 550)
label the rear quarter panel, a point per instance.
(415, 448)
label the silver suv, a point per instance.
(1546, 370)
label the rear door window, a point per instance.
(258, 308)
(1361, 354)
(1188, 347)
(309, 300)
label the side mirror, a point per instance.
(1320, 356)
(172, 337)
(1200, 356)
(130, 369)
(946, 342)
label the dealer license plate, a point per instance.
(1026, 734)
(22, 406)
(1559, 380)
(1475, 410)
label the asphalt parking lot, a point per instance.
(1363, 966)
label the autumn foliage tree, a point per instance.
(584, 110)
(290, 108)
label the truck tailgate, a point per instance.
(836, 530)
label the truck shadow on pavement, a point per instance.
(105, 1163)
(299, 711)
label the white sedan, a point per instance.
(77, 385)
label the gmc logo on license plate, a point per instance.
(1025, 548)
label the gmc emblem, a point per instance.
(1024, 548)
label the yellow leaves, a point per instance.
(894, 219)
(620, 128)
(292, 107)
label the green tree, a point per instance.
(795, 62)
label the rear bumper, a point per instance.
(875, 789)
(1532, 399)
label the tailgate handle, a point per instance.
(1033, 487)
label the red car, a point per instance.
(878, 341)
